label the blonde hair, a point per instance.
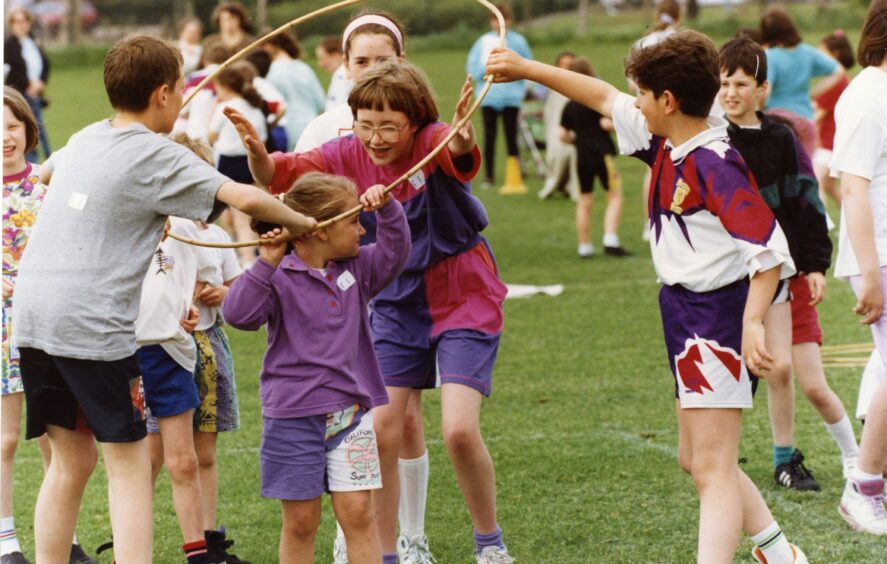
(315, 194)
(198, 147)
(319, 195)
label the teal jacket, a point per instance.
(504, 95)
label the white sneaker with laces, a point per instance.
(340, 551)
(864, 512)
(494, 555)
(414, 550)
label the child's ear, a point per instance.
(669, 102)
(161, 95)
(322, 235)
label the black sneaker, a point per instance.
(217, 548)
(795, 476)
(616, 252)
(14, 558)
(78, 556)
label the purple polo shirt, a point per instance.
(320, 355)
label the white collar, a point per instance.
(717, 131)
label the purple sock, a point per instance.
(389, 558)
(492, 539)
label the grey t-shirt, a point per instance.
(78, 289)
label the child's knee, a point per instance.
(780, 373)
(8, 445)
(412, 424)
(685, 460)
(206, 456)
(460, 436)
(819, 396)
(182, 465)
(302, 528)
(357, 514)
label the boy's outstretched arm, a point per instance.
(760, 295)
(506, 66)
(259, 204)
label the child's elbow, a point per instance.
(249, 201)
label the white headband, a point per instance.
(371, 19)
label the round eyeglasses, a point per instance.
(388, 133)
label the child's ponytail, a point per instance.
(239, 78)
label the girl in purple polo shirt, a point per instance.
(320, 377)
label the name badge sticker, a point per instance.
(345, 280)
(77, 201)
(417, 181)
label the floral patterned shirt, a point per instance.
(22, 197)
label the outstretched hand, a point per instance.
(505, 65)
(248, 134)
(464, 140)
(462, 107)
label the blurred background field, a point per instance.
(581, 422)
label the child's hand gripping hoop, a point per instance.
(488, 82)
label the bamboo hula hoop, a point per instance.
(488, 82)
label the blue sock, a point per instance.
(492, 539)
(389, 558)
(782, 454)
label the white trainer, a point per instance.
(340, 551)
(414, 550)
(800, 557)
(494, 555)
(864, 511)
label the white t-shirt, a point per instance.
(167, 292)
(221, 266)
(339, 89)
(861, 149)
(326, 127)
(228, 142)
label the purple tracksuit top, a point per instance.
(320, 354)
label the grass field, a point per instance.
(581, 422)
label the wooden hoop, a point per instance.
(488, 82)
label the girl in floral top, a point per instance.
(22, 197)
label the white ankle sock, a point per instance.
(611, 240)
(413, 494)
(842, 432)
(859, 476)
(8, 540)
(772, 542)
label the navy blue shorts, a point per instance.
(64, 392)
(169, 388)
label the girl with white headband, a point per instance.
(369, 38)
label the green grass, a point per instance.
(581, 422)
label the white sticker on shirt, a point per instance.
(345, 280)
(77, 201)
(418, 180)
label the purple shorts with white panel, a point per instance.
(302, 457)
(703, 337)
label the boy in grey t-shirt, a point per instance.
(77, 295)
